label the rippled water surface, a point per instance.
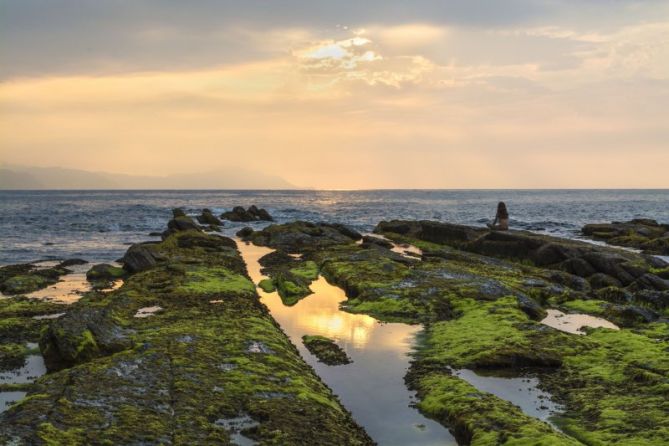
(97, 225)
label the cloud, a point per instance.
(413, 96)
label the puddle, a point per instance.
(521, 391)
(48, 316)
(147, 311)
(372, 387)
(71, 286)
(9, 398)
(235, 425)
(33, 369)
(573, 323)
(406, 249)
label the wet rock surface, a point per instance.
(119, 379)
(645, 234)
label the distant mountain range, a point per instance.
(23, 177)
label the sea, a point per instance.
(99, 225)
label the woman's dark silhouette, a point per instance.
(501, 222)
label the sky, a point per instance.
(342, 95)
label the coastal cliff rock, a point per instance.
(645, 234)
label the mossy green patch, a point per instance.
(267, 285)
(307, 270)
(211, 280)
(481, 419)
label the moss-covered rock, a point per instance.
(211, 355)
(326, 350)
(26, 278)
(641, 233)
(104, 275)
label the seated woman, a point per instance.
(501, 222)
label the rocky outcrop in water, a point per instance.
(645, 234)
(207, 218)
(253, 213)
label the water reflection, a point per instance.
(524, 392)
(574, 323)
(70, 287)
(29, 372)
(372, 386)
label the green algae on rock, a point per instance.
(178, 376)
(326, 350)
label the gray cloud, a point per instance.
(70, 36)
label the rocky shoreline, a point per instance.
(139, 365)
(644, 234)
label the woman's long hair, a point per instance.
(501, 210)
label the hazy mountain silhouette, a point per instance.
(24, 177)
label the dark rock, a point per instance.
(104, 272)
(253, 213)
(641, 233)
(630, 315)
(207, 218)
(178, 212)
(530, 307)
(368, 241)
(615, 295)
(213, 242)
(81, 335)
(601, 280)
(182, 224)
(300, 235)
(345, 230)
(579, 267)
(654, 261)
(139, 257)
(277, 259)
(570, 280)
(656, 299)
(650, 282)
(245, 232)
